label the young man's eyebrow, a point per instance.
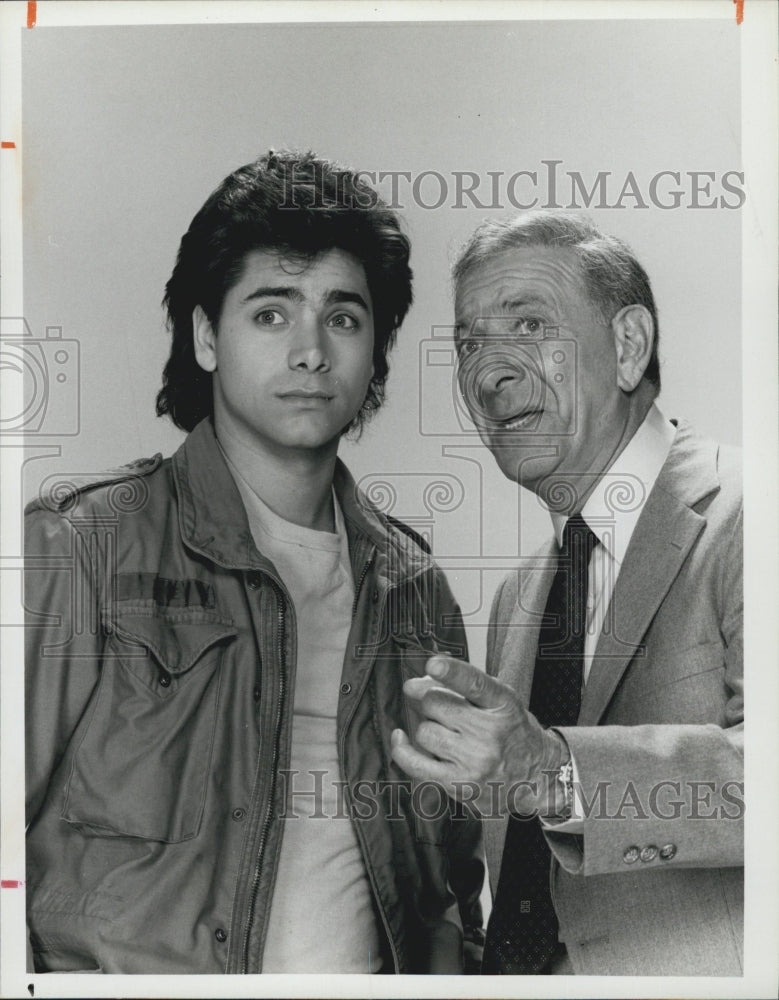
(338, 295)
(275, 292)
(335, 296)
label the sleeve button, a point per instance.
(668, 851)
(631, 855)
(648, 853)
(220, 934)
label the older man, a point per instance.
(604, 744)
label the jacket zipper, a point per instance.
(255, 884)
(358, 588)
(355, 826)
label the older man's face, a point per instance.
(538, 369)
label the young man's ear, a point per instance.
(634, 336)
(204, 340)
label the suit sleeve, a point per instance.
(666, 795)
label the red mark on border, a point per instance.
(7, 145)
(32, 13)
(10, 883)
(739, 10)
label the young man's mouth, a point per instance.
(303, 393)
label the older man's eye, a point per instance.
(528, 326)
(467, 347)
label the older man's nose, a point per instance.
(492, 381)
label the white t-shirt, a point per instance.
(322, 918)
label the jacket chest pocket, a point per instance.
(141, 764)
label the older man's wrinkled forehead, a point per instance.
(546, 279)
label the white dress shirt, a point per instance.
(612, 511)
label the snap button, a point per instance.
(254, 580)
(631, 855)
(239, 815)
(375, 596)
(649, 853)
(164, 679)
(220, 934)
(668, 851)
(346, 688)
(257, 693)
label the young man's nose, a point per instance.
(308, 350)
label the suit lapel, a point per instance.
(663, 537)
(519, 650)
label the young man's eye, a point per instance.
(344, 321)
(269, 317)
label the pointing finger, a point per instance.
(417, 687)
(473, 684)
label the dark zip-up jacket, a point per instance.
(159, 679)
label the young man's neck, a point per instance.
(296, 485)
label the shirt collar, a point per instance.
(213, 520)
(613, 508)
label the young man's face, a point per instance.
(292, 353)
(538, 368)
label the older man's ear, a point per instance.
(634, 335)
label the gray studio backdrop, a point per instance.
(126, 130)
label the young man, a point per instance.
(217, 642)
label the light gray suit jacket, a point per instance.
(654, 886)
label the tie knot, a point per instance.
(578, 537)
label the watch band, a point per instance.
(565, 780)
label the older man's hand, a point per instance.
(478, 742)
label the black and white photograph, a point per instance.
(389, 446)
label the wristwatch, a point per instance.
(565, 780)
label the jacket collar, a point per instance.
(213, 522)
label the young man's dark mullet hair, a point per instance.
(298, 205)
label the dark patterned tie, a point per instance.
(522, 931)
